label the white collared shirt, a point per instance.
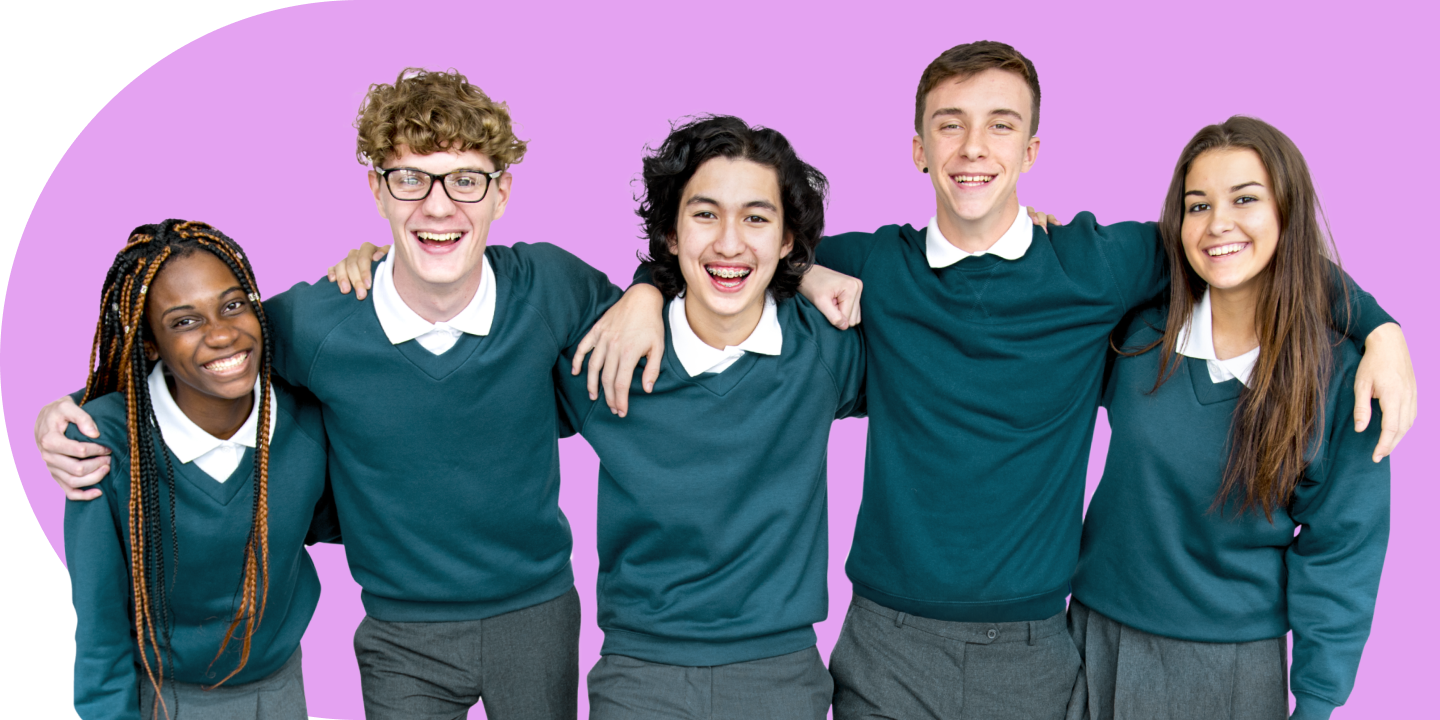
(190, 443)
(1198, 341)
(1011, 246)
(401, 324)
(697, 357)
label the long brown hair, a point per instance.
(1278, 415)
(119, 365)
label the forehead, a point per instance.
(981, 94)
(734, 180)
(191, 278)
(439, 162)
(1226, 167)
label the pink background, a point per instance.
(197, 135)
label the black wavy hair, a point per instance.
(667, 170)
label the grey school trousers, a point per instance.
(279, 696)
(795, 686)
(524, 665)
(1133, 675)
(887, 664)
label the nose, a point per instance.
(221, 333)
(975, 144)
(730, 243)
(438, 203)
(1221, 220)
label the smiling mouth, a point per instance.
(228, 365)
(973, 180)
(728, 277)
(439, 239)
(1224, 250)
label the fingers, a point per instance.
(833, 312)
(355, 265)
(1396, 418)
(587, 344)
(363, 278)
(74, 471)
(652, 367)
(592, 377)
(854, 315)
(1051, 219)
(1363, 393)
(84, 495)
(619, 385)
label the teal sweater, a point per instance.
(711, 516)
(1155, 557)
(982, 381)
(446, 468)
(212, 525)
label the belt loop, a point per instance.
(1033, 631)
(899, 619)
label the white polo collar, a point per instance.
(1197, 340)
(697, 357)
(1011, 246)
(186, 439)
(401, 324)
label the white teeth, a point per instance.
(974, 178)
(728, 273)
(1230, 249)
(229, 363)
(438, 237)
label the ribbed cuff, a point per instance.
(1309, 707)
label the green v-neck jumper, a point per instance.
(1156, 557)
(711, 524)
(211, 526)
(446, 467)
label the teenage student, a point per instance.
(986, 343)
(711, 515)
(440, 411)
(190, 577)
(1237, 502)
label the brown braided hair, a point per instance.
(119, 364)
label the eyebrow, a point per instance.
(702, 200)
(178, 308)
(1234, 188)
(957, 111)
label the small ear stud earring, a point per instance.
(925, 170)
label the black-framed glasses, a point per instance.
(463, 186)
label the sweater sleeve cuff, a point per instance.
(1309, 707)
(1371, 316)
(643, 276)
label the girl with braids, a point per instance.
(192, 586)
(1237, 502)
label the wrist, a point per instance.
(1389, 332)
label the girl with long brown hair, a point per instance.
(191, 583)
(1237, 504)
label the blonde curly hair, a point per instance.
(428, 112)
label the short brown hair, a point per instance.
(430, 112)
(964, 61)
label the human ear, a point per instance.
(1032, 151)
(917, 151)
(502, 194)
(375, 183)
(152, 353)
